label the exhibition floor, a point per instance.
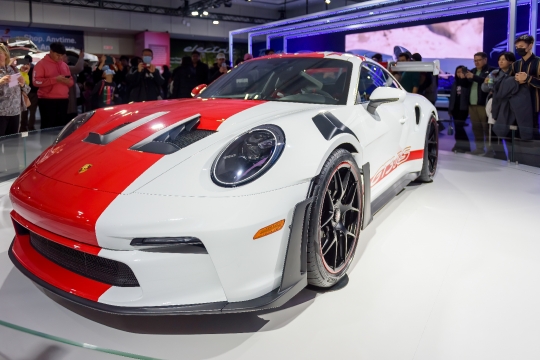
(447, 270)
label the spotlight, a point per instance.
(215, 22)
(205, 13)
(327, 1)
(194, 13)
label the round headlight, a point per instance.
(73, 125)
(248, 156)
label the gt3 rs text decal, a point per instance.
(389, 166)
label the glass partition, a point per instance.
(19, 150)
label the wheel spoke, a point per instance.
(340, 182)
(345, 183)
(329, 247)
(337, 247)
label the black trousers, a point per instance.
(462, 139)
(9, 125)
(53, 112)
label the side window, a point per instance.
(372, 76)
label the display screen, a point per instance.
(453, 43)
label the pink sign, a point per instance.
(158, 42)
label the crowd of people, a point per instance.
(508, 95)
(496, 99)
(58, 87)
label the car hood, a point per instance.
(113, 166)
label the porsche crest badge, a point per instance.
(85, 168)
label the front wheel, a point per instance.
(335, 220)
(431, 152)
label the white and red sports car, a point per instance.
(231, 201)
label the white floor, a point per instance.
(448, 270)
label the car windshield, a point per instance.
(302, 80)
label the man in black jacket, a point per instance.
(527, 71)
(220, 68)
(146, 81)
(189, 75)
(477, 101)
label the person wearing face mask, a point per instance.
(526, 71)
(458, 109)
(145, 81)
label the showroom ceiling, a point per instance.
(225, 10)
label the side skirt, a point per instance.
(392, 191)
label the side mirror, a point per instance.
(388, 94)
(383, 95)
(198, 89)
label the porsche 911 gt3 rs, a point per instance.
(231, 201)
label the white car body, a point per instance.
(176, 195)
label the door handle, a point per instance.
(403, 120)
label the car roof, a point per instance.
(322, 54)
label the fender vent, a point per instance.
(174, 138)
(417, 113)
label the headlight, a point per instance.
(248, 156)
(73, 125)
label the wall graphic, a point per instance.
(43, 37)
(453, 42)
(208, 50)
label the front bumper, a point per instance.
(86, 292)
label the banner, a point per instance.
(43, 37)
(208, 50)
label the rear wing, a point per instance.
(416, 66)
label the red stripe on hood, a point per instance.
(114, 165)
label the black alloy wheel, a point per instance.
(335, 220)
(431, 151)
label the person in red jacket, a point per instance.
(53, 80)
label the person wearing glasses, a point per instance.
(477, 101)
(527, 71)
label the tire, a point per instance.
(431, 152)
(332, 244)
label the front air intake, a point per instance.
(91, 266)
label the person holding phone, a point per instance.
(11, 98)
(220, 67)
(53, 79)
(145, 81)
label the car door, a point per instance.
(380, 130)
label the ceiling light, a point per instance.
(205, 13)
(215, 22)
(194, 13)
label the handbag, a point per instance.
(25, 99)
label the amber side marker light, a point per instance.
(270, 229)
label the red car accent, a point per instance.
(89, 249)
(402, 157)
(54, 274)
(72, 213)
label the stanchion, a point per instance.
(513, 128)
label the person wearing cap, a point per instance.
(220, 67)
(53, 79)
(104, 92)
